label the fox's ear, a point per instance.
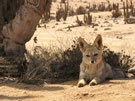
(98, 41)
(82, 44)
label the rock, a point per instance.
(106, 21)
(53, 26)
(56, 24)
(119, 37)
(99, 16)
(85, 94)
(95, 29)
(132, 70)
(107, 29)
(131, 20)
(129, 75)
(109, 25)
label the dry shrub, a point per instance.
(108, 7)
(63, 1)
(12, 66)
(62, 13)
(116, 11)
(59, 14)
(118, 59)
(132, 12)
(67, 65)
(93, 8)
(87, 18)
(71, 11)
(66, 12)
(37, 66)
(54, 0)
(80, 10)
(64, 65)
(101, 7)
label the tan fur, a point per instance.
(93, 68)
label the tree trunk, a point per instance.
(20, 30)
(8, 9)
(18, 21)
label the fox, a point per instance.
(93, 69)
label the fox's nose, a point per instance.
(92, 61)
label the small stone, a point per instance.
(132, 70)
(107, 29)
(85, 94)
(119, 37)
(106, 21)
(56, 24)
(95, 29)
(129, 75)
(53, 26)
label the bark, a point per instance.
(8, 9)
(20, 30)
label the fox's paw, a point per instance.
(81, 83)
(92, 83)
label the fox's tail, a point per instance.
(118, 73)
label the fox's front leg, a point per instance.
(81, 81)
(96, 81)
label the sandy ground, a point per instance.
(113, 90)
(116, 35)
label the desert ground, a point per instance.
(113, 90)
(116, 35)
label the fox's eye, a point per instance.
(96, 54)
(87, 55)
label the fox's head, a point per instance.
(92, 54)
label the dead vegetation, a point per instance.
(71, 11)
(87, 19)
(10, 66)
(80, 10)
(129, 12)
(64, 65)
(62, 12)
(45, 64)
(94, 8)
(116, 11)
(63, 1)
(118, 60)
(100, 7)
